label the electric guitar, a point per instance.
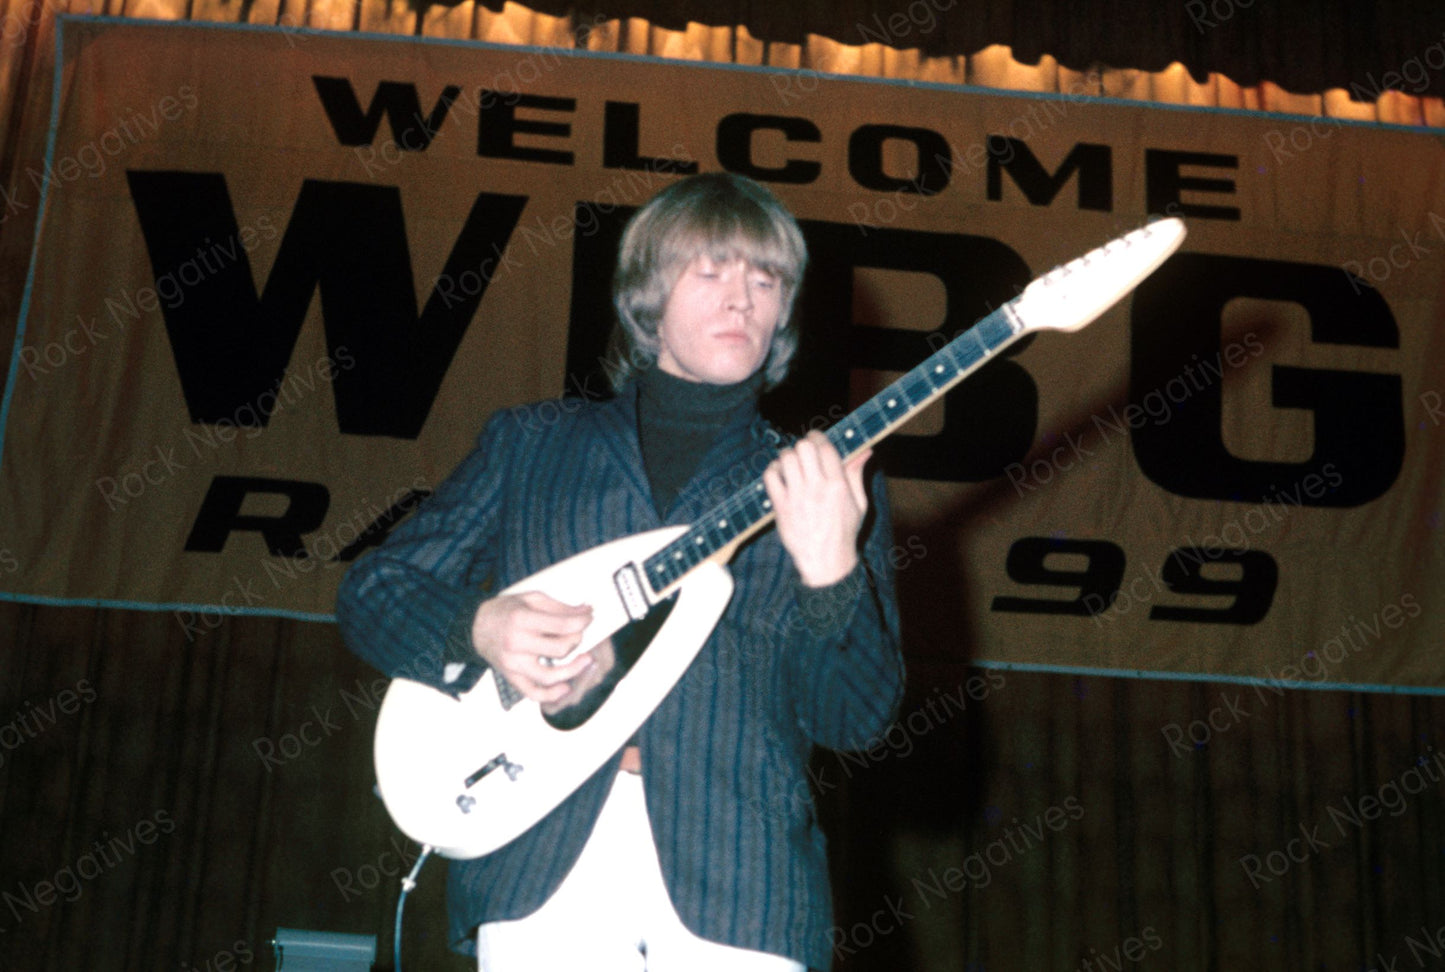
(468, 774)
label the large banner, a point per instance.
(281, 278)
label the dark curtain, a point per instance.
(1301, 45)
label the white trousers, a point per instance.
(612, 912)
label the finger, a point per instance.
(773, 483)
(853, 470)
(781, 466)
(819, 441)
(549, 636)
(535, 685)
(549, 693)
(860, 458)
(830, 464)
(551, 672)
(543, 603)
(555, 654)
(809, 455)
(797, 465)
(522, 646)
(783, 472)
(782, 485)
(529, 687)
(567, 628)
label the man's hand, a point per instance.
(577, 688)
(522, 635)
(820, 502)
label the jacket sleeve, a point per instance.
(407, 607)
(843, 665)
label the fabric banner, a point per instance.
(282, 277)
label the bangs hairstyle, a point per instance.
(724, 216)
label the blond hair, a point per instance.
(724, 216)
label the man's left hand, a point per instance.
(820, 502)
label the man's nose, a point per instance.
(740, 292)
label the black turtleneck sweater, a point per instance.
(677, 421)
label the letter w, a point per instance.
(346, 240)
(398, 101)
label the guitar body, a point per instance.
(429, 744)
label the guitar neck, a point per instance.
(919, 388)
(1066, 299)
(719, 531)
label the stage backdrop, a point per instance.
(282, 277)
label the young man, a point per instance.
(696, 847)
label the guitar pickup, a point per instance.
(629, 588)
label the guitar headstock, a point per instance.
(1074, 294)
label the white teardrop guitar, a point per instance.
(467, 774)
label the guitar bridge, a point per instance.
(499, 761)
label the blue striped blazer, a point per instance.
(725, 756)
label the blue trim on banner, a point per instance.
(1273, 684)
(208, 609)
(756, 69)
(50, 136)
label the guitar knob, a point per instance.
(466, 803)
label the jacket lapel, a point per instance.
(616, 423)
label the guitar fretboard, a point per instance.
(749, 507)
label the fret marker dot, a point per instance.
(767, 505)
(847, 433)
(892, 402)
(722, 523)
(699, 541)
(938, 369)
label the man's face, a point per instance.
(717, 326)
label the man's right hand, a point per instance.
(513, 633)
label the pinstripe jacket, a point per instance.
(725, 756)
